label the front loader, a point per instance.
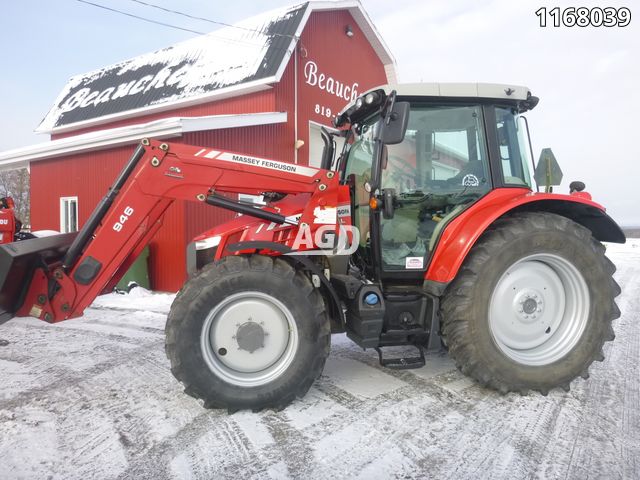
(424, 231)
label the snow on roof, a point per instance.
(251, 50)
(229, 61)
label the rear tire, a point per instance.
(532, 304)
(248, 332)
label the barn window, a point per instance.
(68, 214)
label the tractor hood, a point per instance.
(211, 244)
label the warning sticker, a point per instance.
(324, 216)
(413, 262)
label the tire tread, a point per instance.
(458, 297)
(190, 293)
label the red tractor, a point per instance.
(425, 231)
(10, 226)
(7, 220)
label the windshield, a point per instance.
(359, 162)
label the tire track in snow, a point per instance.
(630, 306)
(212, 445)
(605, 408)
(67, 378)
(338, 395)
(33, 343)
(161, 311)
(105, 417)
(154, 330)
(527, 442)
(434, 386)
(521, 444)
(293, 446)
(433, 423)
(155, 463)
(84, 329)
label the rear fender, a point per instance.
(461, 234)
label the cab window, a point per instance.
(359, 165)
(512, 142)
(439, 168)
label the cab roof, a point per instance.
(461, 90)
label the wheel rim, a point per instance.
(249, 339)
(539, 309)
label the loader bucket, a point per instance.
(18, 261)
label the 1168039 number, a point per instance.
(584, 17)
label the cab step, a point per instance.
(402, 363)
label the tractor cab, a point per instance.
(451, 146)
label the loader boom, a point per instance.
(131, 213)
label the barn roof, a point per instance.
(230, 61)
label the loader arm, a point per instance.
(131, 213)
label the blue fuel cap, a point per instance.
(371, 299)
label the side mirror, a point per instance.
(398, 120)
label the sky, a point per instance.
(588, 79)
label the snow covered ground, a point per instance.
(94, 398)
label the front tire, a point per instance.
(532, 305)
(248, 332)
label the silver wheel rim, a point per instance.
(249, 339)
(539, 309)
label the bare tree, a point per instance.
(15, 184)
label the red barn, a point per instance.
(262, 87)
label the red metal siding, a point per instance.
(285, 102)
(86, 176)
(167, 254)
(346, 60)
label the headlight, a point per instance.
(370, 98)
(359, 102)
(208, 243)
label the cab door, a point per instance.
(439, 169)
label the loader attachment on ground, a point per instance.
(18, 261)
